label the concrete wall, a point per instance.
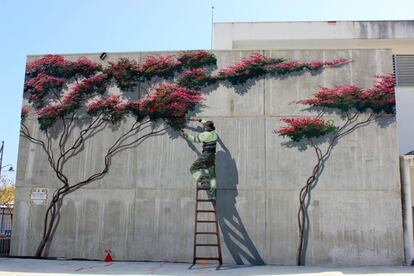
(144, 208)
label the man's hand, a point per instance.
(183, 133)
(194, 120)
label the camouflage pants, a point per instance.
(204, 170)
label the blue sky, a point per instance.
(85, 26)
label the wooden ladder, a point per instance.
(203, 222)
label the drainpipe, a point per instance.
(407, 209)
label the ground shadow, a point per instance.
(235, 235)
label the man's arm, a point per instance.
(197, 120)
(193, 139)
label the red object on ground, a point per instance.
(108, 257)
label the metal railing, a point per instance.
(6, 222)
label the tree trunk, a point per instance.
(50, 221)
(303, 221)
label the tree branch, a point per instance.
(113, 150)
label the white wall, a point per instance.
(397, 35)
(405, 118)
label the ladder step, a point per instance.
(207, 258)
(206, 233)
(206, 200)
(213, 201)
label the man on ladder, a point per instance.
(203, 169)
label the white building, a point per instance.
(396, 35)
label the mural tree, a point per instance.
(72, 103)
(64, 94)
(357, 108)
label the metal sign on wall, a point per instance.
(38, 196)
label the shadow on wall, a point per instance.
(235, 235)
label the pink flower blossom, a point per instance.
(42, 82)
(111, 102)
(379, 98)
(195, 59)
(330, 97)
(305, 128)
(53, 109)
(84, 67)
(249, 67)
(285, 67)
(314, 65)
(126, 72)
(170, 102)
(337, 62)
(297, 123)
(159, 66)
(242, 66)
(195, 71)
(195, 78)
(38, 87)
(258, 65)
(97, 83)
(25, 112)
(53, 65)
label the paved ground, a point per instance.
(25, 267)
